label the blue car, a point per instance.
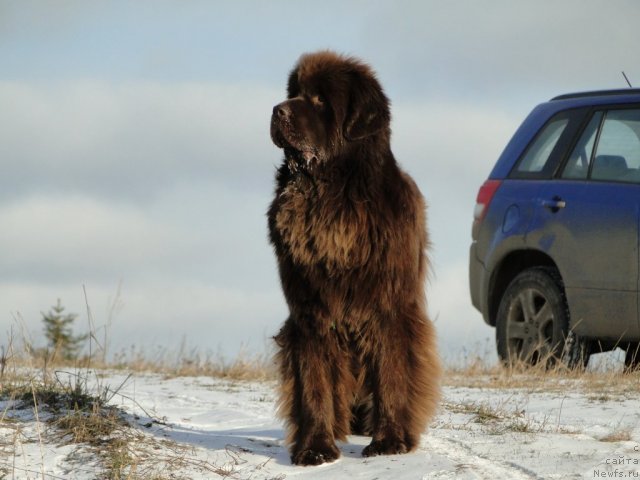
(554, 263)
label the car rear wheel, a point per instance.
(533, 320)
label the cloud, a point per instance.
(78, 238)
(448, 138)
(219, 237)
(117, 166)
(133, 139)
(164, 187)
(499, 50)
(195, 264)
(450, 149)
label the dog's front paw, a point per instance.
(316, 455)
(386, 446)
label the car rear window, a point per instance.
(542, 156)
(538, 153)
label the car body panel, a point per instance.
(593, 240)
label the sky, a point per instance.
(136, 165)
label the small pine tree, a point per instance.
(58, 329)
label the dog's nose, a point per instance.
(281, 111)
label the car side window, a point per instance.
(577, 166)
(539, 152)
(617, 155)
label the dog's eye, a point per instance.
(317, 100)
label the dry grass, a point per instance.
(496, 419)
(69, 404)
(258, 367)
(599, 385)
(621, 435)
(605, 380)
(73, 413)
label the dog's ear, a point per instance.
(368, 110)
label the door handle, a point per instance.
(555, 204)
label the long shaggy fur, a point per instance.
(357, 353)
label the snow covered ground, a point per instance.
(200, 427)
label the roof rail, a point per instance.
(599, 93)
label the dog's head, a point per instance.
(333, 101)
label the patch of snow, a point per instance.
(479, 433)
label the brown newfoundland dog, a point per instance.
(357, 353)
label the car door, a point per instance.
(587, 220)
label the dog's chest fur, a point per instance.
(319, 224)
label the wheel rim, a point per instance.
(529, 327)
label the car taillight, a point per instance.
(485, 194)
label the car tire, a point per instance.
(532, 325)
